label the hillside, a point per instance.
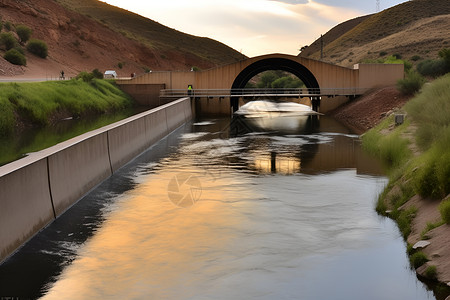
(88, 34)
(415, 28)
(333, 34)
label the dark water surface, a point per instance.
(35, 139)
(217, 212)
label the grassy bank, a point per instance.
(417, 157)
(39, 103)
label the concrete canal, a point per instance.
(216, 211)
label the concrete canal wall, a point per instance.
(40, 187)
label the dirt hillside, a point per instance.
(418, 29)
(78, 42)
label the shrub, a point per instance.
(38, 47)
(418, 259)
(416, 58)
(443, 172)
(85, 76)
(19, 49)
(24, 33)
(445, 55)
(426, 182)
(8, 26)
(431, 272)
(444, 209)
(383, 53)
(433, 68)
(411, 84)
(97, 74)
(15, 57)
(430, 111)
(7, 40)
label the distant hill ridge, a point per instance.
(152, 33)
(415, 28)
(87, 34)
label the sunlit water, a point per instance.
(207, 214)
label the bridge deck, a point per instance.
(302, 92)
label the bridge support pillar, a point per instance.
(315, 103)
(234, 103)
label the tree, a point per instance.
(266, 79)
(24, 33)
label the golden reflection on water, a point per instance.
(149, 244)
(280, 163)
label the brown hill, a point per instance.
(415, 28)
(332, 35)
(83, 37)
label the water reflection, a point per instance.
(149, 245)
(322, 145)
(35, 139)
(273, 221)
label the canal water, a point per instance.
(30, 140)
(219, 211)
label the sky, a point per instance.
(255, 27)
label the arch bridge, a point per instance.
(220, 87)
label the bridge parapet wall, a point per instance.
(379, 75)
(328, 76)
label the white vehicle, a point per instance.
(110, 74)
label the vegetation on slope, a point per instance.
(417, 156)
(38, 103)
(411, 29)
(152, 33)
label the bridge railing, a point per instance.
(297, 92)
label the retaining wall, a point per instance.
(40, 187)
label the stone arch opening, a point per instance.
(274, 64)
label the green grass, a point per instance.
(36, 102)
(427, 173)
(430, 226)
(431, 112)
(418, 259)
(444, 209)
(391, 148)
(404, 219)
(431, 272)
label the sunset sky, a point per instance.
(254, 27)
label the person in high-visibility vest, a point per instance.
(189, 89)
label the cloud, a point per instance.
(292, 1)
(254, 26)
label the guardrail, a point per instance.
(298, 92)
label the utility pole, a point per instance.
(321, 46)
(378, 5)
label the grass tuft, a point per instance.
(418, 259)
(444, 209)
(431, 272)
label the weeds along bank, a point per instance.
(39, 103)
(418, 194)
